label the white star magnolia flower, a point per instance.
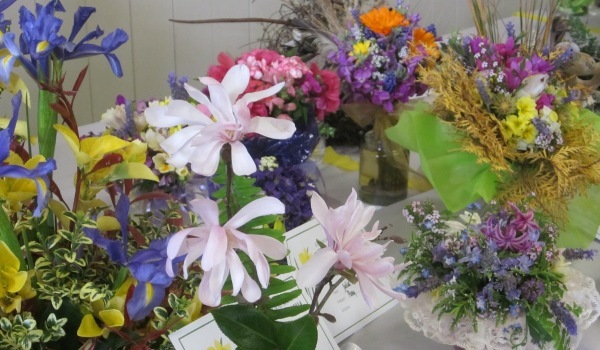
(201, 141)
(349, 247)
(217, 245)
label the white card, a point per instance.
(204, 333)
(346, 303)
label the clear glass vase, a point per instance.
(384, 165)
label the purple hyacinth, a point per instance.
(518, 234)
(579, 254)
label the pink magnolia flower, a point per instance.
(200, 142)
(216, 245)
(349, 247)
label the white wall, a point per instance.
(157, 46)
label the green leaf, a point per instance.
(277, 286)
(539, 330)
(290, 311)
(277, 269)
(583, 222)
(246, 326)
(132, 171)
(300, 334)
(7, 235)
(283, 298)
(456, 175)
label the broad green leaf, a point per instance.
(538, 330)
(7, 235)
(290, 311)
(455, 174)
(246, 326)
(283, 298)
(277, 269)
(583, 222)
(300, 334)
(277, 286)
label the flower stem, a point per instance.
(226, 155)
(316, 306)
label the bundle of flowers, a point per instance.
(495, 279)
(127, 121)
(377, 59)
(505, 121)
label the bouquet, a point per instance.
(504, 124)
(493, 278)
(378, 59)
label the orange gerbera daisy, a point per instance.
(426, 41)
(382, 20)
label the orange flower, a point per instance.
(382, 20)
(422, 39)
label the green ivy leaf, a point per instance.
(300, 334)
(246, 326)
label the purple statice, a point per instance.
(485, 96)
(563, 315)
(510, 29)
(546, 138)
(571, 254)
(422, 286)
(563, 58)
(431, 28)
(532, 289)
(178, 91)
(292, 186)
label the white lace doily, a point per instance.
(418, 314)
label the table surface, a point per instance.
(389, 331)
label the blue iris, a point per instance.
(39, 174)
(41, 42)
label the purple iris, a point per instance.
(38, 174)
(147, 266)
(40, 41)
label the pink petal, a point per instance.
(177, 112)
(212, 284)
(260, 207)
(259, 95)
(235, 81)
(262, 266)
(176, 247)
(181, 138)
(316, 268)
(319, 208)
(344, 258)
(220, 106)
(279, 129)
(242, 161)
(195, 250)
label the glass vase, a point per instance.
(384, 165)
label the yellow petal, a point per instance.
(112, 318)
(89, 328)
(133, 171)
(97, 147)
(70, 137)
(108, 223)
(14, 280)
(8, 260)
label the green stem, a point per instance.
(226, 155)
(328, 294)
(8, 236)
(30, 262)
(47, 117)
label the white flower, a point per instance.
(153, 139)
(216, 246)
(201, 141)
(115, 117)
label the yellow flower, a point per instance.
(17, 191)
(304, 256)
(160, 163)
(361, 48)
(527, 108)
(89, 328)
(218, 345)
(382, 20)
(11, 279)
(515, 125)
(530, 133)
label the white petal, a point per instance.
(319, 208)
(207, 209)
(205, 159)
(260, 207)
(197, 94)
(235, 81)
(176, 247)
(259, 95)
(220, 106)
(315, 269)
(216, 246)
(261, 264)
(179, 139)
(195, 250)
(212, 284)
(242, 161)
(177, 112)
(250, 289)
(269, 246)
(279, 129)
(236, 269)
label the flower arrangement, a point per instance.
(507, 123)
(377, 59)
(495, 268)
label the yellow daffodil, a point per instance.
(361, 48)
(11, 279)
(17, 191)
(218, 345)
(530, 133)
(515, 124)
(527, 108)
(89, 328)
